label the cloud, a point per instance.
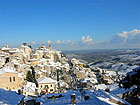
(68, 41)
(124, 39)
(63, 42)
(126, 34)
(86, 39)
(127, 37)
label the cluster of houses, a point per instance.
(38, 72)
(16, 63)
(85, 78)
(88, 77)
(108, 77)
(42, 63)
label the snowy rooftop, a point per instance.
(9, 97)
(40, 71)
(20, 75)
(4, 48)
(33, 59)
(95, 98)
(111, 73)
(1, 55)
(35, 54)
(101, 86)
(117, 91)
(24, 46)
(92, 80)
(45, 80)
(14, 50)
(30, 87)
(7, 69)
(42, 60)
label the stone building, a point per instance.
(9, 79)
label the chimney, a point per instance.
(53, 97)
(19, 91)
(73, 101)
(25, 44)
(86, 97)
(50, 47)
(36, 91)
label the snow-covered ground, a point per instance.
(95, 98)
(9, 97)
(122, 68)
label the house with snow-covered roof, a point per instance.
(6, 49)
(46, 85)
(36, 56)
(80, 75)
(40, 73)
(9, 78)
(38, 67)
(65, 66)
(33, 62)
(30, 89)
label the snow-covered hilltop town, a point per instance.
(44, 76)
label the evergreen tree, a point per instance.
(33, 72)
(29, 76)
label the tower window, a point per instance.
(13, 78)
(10, 79)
